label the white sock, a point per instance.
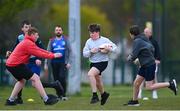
(11, 99)
(45, 98)
(154, 94)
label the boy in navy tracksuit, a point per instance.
(143, 50)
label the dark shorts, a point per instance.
(101, 66)
(20, 72)
(147, 72)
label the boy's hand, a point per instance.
(57, 55)
(68, 66)
(108, 47)
(38, 62)
(157, 62)
(136, 61)
(94, 50)
(8, 53)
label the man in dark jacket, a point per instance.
(143, 50)
(148, 34)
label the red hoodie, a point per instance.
(24, 50)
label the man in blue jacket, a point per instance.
(60, 66)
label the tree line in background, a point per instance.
(115, 16)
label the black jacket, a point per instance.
(143, 50)
(156, 49)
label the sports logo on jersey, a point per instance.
(54, 44)
(58, 48)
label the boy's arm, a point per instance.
(135, 51)
(86, 51)
(41, 53)
(69, 53)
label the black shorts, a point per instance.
(20, 72)
(101, 66)
(147, 72)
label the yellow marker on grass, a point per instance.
(30, 100)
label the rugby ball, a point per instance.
(104, 48)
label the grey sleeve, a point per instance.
(68, 53)
(135, 51)
(86, 51)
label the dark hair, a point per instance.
(59, 26)
(25, 22)
(94, 28)
(134, 30)
(32, 30)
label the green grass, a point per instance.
(118, 96)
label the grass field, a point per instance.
(119, 96)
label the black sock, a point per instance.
(103, 93)
(20, 94)
(95, 94)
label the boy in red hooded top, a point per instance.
(16, 64)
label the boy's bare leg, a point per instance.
(92, 73)
(137, 82)
(36, 82)
(99, 83)
(150, 85)
(140, 90)
(18, 86)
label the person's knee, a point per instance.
(149, 87)
(90, 74)
(22, 82)
(35, 77)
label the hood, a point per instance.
(142, 36)
(32, 38)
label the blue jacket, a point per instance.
(65, 49)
